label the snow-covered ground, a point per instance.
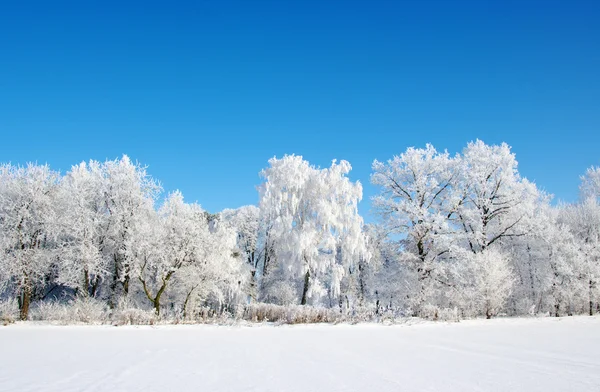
(496, 355)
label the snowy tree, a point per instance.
(165, 242)
(359, 285)
(29, 228)
(546, 263)
(129, 194)
(217, 276)
(245, 221)
(314, 216)
(498, 202)
(565, 263)
(382, 282)
(417, 202)
(492, 281)
(583, 219)
(84, 264)
(590, 184)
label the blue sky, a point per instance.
(206, 92)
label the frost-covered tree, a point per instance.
(431, 203)
(314, 217)
(84, 262)
(359, 285)
(590, 184)
(583, 220)
(245, 221)
(498, 202)
(30, 229)
(217, 277)
(417, 204)
(129, 194)
(565, 263)
(105, 203)
(546, 264)
(163, 243)
(382, 282)
(485, 281)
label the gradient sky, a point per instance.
(204, 93)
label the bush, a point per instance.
(9, 311)
(292, 314)
(432, 312)
(48, 311)
(88, 310)
(280, 293)
(133, 316)
(80, 310)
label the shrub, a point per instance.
(87, 310)
(134, 316)
(9, 311)
(292, 314)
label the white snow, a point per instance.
(497, 355)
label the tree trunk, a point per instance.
(94, 289)
(158, 295)
(112, 302)
(488, 311)
(267, 257)
(305, 290)
(156, 304)
(591, 301)
(253, 289)
(126, 283)
(418, 311)
(86, 282)
(25, 302)
(155, 300)
(361, 282)
(187, 299)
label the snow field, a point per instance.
(481, 355)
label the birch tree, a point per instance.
(314, 214)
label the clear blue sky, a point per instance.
(206, 93)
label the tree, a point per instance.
(565, 262)
(29, 228)
(498, 202)
(106, 202)
(583, 220)
(492, 281)
(129, 194)
(165, 242)
(217, 276)
(590, 184)
(245, 221)
(417, 202)
(314, 215)
(548, 264)
(84, 261)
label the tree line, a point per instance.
(463, 234)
